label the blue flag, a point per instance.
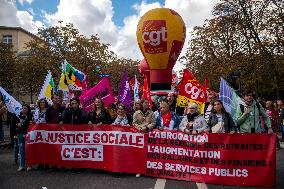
(124, 95)
(12, 105)
(136, 90)
(229, 98)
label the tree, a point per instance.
(7, 64)
(244, 38)
(88, 54)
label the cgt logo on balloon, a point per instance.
(154, 35)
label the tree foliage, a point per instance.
(245, 38)
(88, 54)
(7, 65)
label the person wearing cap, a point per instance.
(248, 115)
(193, 122)
(122, 118)
(166, 119)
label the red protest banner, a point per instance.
(238, 159)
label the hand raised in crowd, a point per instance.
(247, 111)
(270, 131)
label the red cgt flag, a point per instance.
(190, 90)
(146, 92)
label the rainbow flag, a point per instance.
(71, 78)
(47, 88)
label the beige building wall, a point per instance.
(19, 37)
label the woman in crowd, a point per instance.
(39, 115)
(272, 114)
(137, 106)
(99, 115)
(193, 122)
(122, 118)
(74, 115)
(219, 120)
(144, 119)
(23, 123)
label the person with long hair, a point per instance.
(74, 115)
(193, 122)
(144, 119)
(23, 124)
(99, 114)
(39, 114)
(38, 118)
(137, 106)
(272, 114)
(219, 120)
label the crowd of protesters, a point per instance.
(252, 117)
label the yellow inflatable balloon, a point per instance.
(160, 34)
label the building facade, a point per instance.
(16, 36)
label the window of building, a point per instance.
(7, 39)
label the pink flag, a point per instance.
(85, 87)
(102, 90)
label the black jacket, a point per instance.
(76, 117)
(48, 115)
(229, 124)
(25, 123)
(103, 117)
